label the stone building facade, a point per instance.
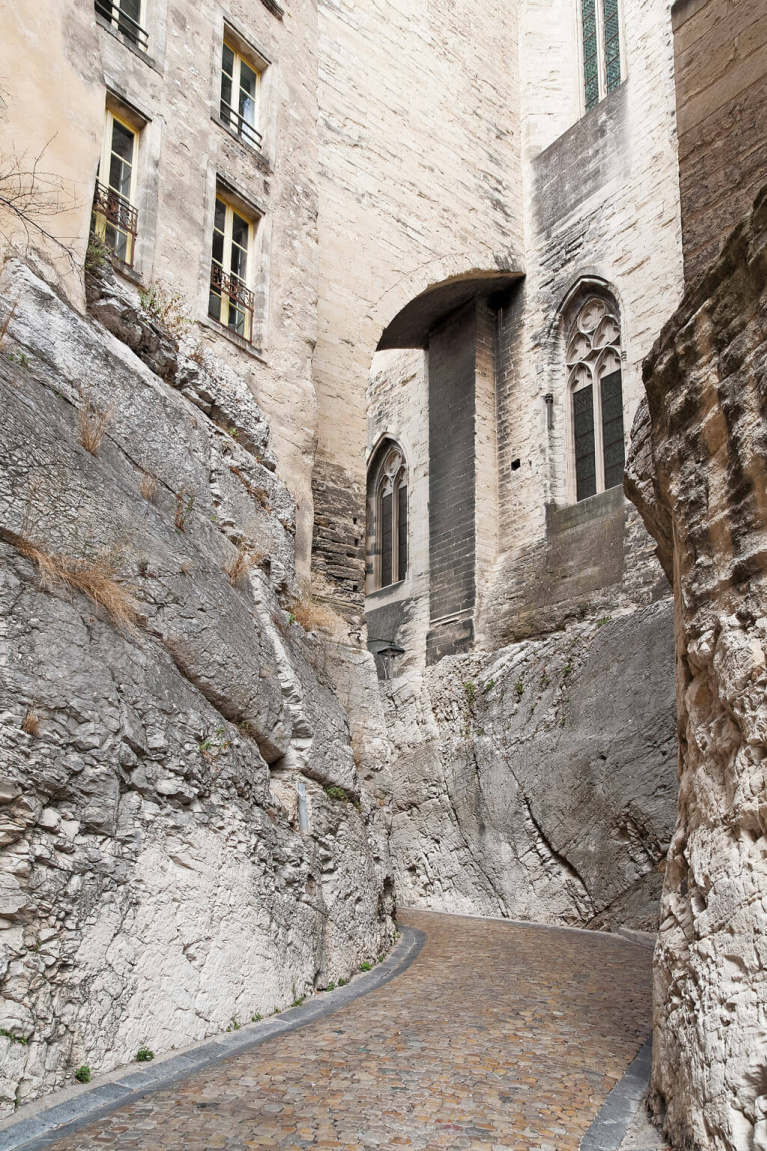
(501, 546)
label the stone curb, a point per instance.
(91, 1103)
(609, 1128)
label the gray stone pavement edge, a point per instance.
(42, 1124)
(608, 1130)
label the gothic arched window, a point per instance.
(387, 494)
(593, 353)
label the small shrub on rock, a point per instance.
(83, 1074)
(144, 1055)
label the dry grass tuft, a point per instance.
(185, 501)
(93, 424)
(94, 576)
(243, 562)
(311, 614)
(31, 723)
(149, 486)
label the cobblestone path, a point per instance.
(497, 1036)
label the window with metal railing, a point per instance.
(126, 16)
(231, 301)
(600, 49)
(240, 96)
(115, 217)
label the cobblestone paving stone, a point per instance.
(498, 1036)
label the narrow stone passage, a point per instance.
(498, 1036)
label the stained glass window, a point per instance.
(590, 52)
(601, 39)
(612, 45)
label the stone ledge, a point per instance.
(41, 1123)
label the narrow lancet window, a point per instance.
(601, 49)
(388, 512)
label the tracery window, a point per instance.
(389, 508)
(593, 353)
(601, 43)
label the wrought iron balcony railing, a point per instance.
(124, 22)
(240, 297)
(240, 126)
(118, 212)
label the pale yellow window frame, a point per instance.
(231, 307)
(246, 130)
(105, 219)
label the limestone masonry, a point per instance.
(324, 325)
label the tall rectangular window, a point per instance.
(127, 17)
(585, 454)
(115, 218)
(601, 43)
(240, 88)
(231, 300)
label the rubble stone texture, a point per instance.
(538, 782)
(141, 759)
(697, 474)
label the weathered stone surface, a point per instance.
(706, 386)
(159, 879)
(538, 782)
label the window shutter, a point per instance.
(585, 455)
(402, 532)
(612, 429)
(386, 540)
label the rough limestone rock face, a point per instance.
(539, 782)
(698, 473)
(171, 859)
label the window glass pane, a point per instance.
(121, 159)
(612, 44)
(131, 8)
(402, 532)
(214, 305)
(247, 93)
(227, 61)
(240, 229)
(386, 540)
(590, 47)
(585, 455)
(612, 429)
(219, 219)
(122, 141)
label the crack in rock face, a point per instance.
(698, 474)
(539, 781)
(143, 759)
